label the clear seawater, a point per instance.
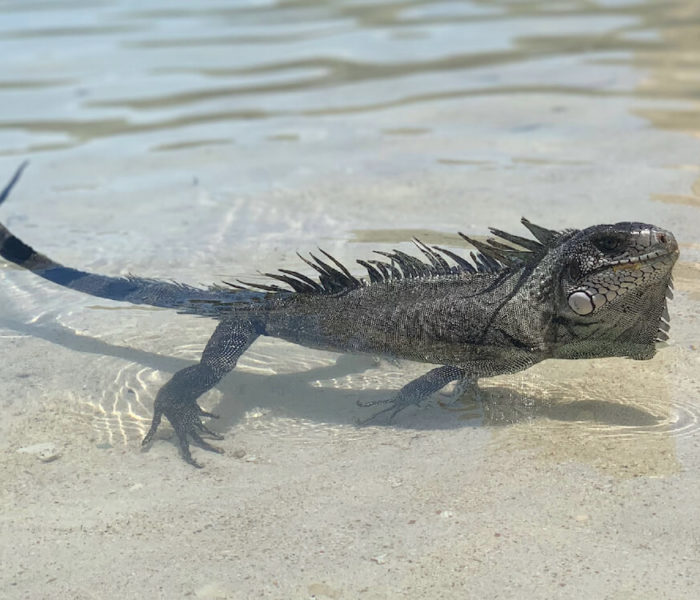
(212, 140)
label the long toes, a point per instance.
(148, 438)
(193, 462)
(397, 410)
(367, 403)
(396, 405)
(152, 431)
(205, 429)
(185, 451)
(375, 416)
(204, 444)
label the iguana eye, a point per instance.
(609, 243)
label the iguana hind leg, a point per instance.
(177, 399)
(416, 391)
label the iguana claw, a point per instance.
(415, 392)
(186, 421)
(396, 404)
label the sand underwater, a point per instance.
(212, 141)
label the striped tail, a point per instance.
(136, 290)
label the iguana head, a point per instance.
(614, 280)
(599, 291)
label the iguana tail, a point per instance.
(135, 290)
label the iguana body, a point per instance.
(571, 294)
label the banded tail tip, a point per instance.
(15, 178)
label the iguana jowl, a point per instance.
(596, 292)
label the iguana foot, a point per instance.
(187, 423)
(415, 392)
(396, 404)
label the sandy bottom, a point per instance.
(571, 480)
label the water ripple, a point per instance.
(304, 60)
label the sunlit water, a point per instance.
(201, 141)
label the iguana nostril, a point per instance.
(666, 239)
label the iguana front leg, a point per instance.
(416, 391)
(177, 399)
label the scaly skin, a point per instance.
(596, 292)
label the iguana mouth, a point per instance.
(642, 258)
(636, 262)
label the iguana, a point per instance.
(515, 301)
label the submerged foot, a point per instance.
(395, 404)
(419, 390)
(186, 420)
(416, 391)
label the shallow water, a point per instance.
(211, 140)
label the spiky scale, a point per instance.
(314, 286)
(516, 239)
(374, 275)
(464, 264)
(545, 236)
